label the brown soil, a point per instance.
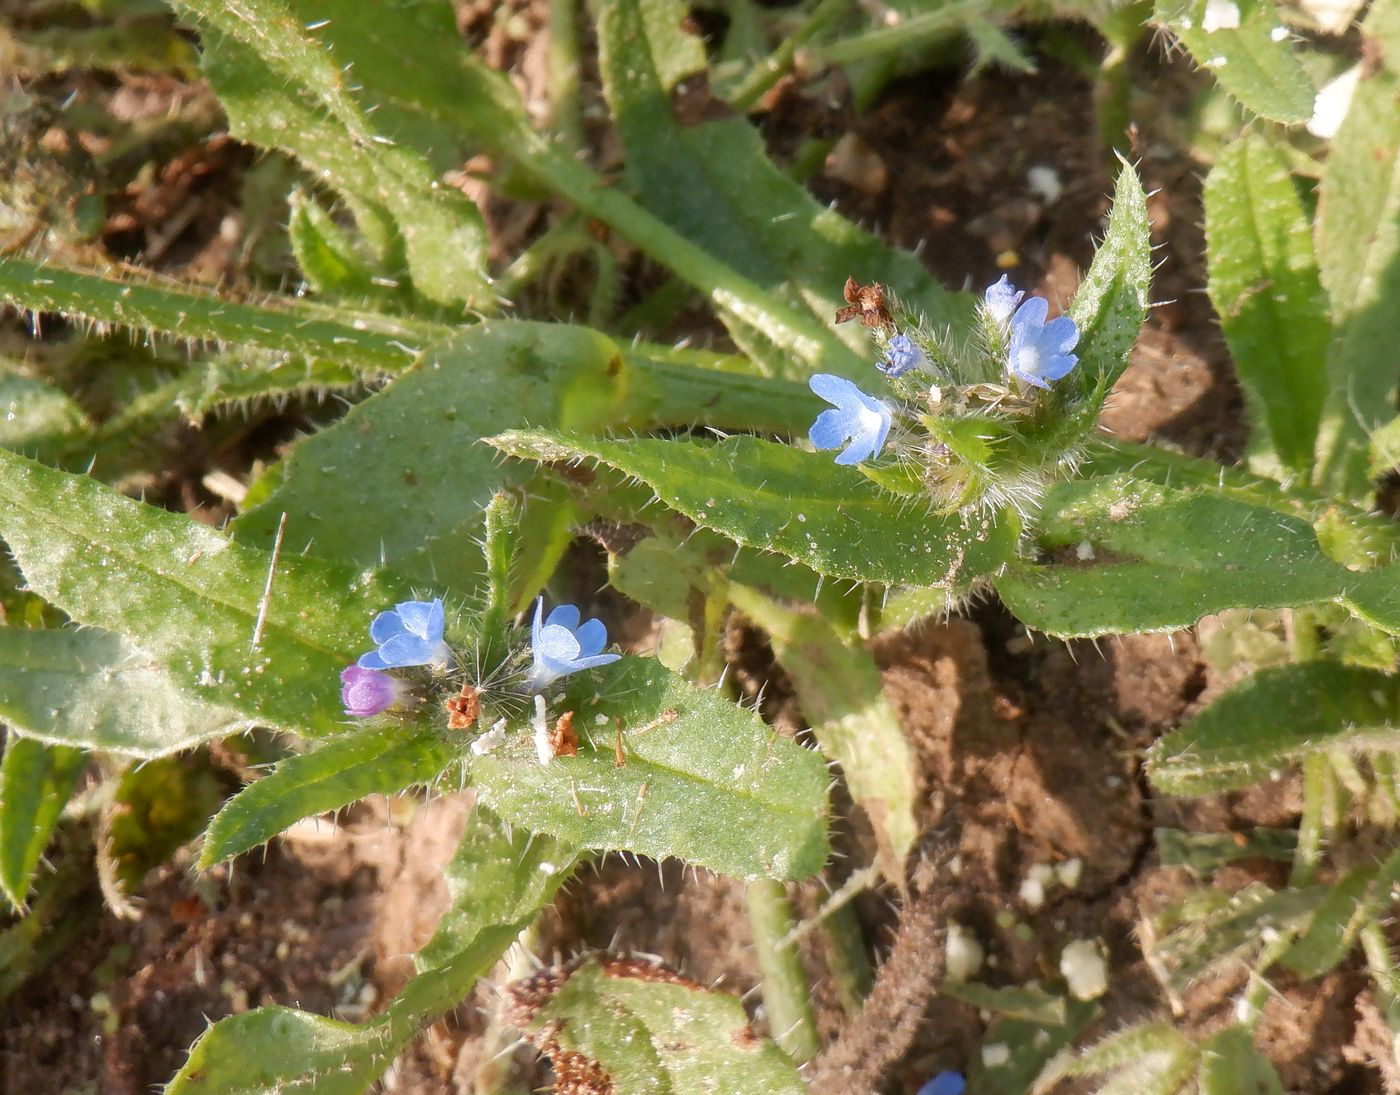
(1028, 750)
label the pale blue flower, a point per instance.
(408, 634)
(367, 692)
(901, 356)
(1039, 352)
(856, 417)
(946, 1082)
(560, 645)
(1000, 300)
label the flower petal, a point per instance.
(834, 389)
(593, 661)
(557, 645)
(404, 650)
(385, 626)
(372, 660)
(1057, 365)
(592, 637)
(417, 616)
(1029, 318)
(563, 616)
(1060, 336)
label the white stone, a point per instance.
(1084, 969)
(1220, 15)
(995, 1054)
(963, 953)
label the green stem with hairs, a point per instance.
(787, 997)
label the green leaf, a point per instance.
(36, 417)
(1273, 718)
(35, 782)
(1111, 303)
(804, 506)
(1358, 254)
(95, 690)
(649, 1030)
(379, 761)
(1174, 556)
(193, 600)
(496, 883)
(1253, 61)
(402, 480)
(1232, 1065)
(702, 780)
(1030, 1003)
(324, 251)
(841, 692)
(1203, 853)
(1264, 284)
(375, 343)
(1355, 898)
(710, 179)
(283, 88)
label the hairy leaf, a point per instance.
(402, 478)
(96, 690)
(35, 781)
(383, 761)
(1173, 556)
(699, 779)
(496, 882)
(1272, 719)
(283, 88)
(1254, 60)
(649, 1030)
(1358, 254)
(841, 693)
(1264, 284)
(776, 497)
(193, 600)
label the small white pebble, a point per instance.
(1085, 551)
(963, 955)
(1220, 15)
(1084, 969)
(1070, 872)
(1032, 893)
(995, 1055)
(600, 720)
(1278, 34)
(1245, 1012)
(1045, 183)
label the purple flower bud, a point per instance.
(1000, 300)
(367, 692)
(901, 356)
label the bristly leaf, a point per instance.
(379, 761)
(644, 1029)
(1253, 60)
(804, 506)
(497, 882)
(282, 88)
(377, 344)
(1173, 556)
(1111, 303)
(1275, 717)
(1358, 253)
(1232, 1065)
(192, 600)
(696, 778)
(402, 480)
(1264, 284)
(35, 781)
(95, 690)
(841, 693)
(704, 170)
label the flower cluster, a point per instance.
(1016, 353)
(410, 636)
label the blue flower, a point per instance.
(408, 634)
(1039, 352)
(946, 1082)
(1000, 300)
(367, 692)
(901, 356)
(857, 418)
(561, 645)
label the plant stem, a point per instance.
(767, 72)
(1318, 780)
(847, 959)
(786, 994)
(1381, 963)
(565, 117)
